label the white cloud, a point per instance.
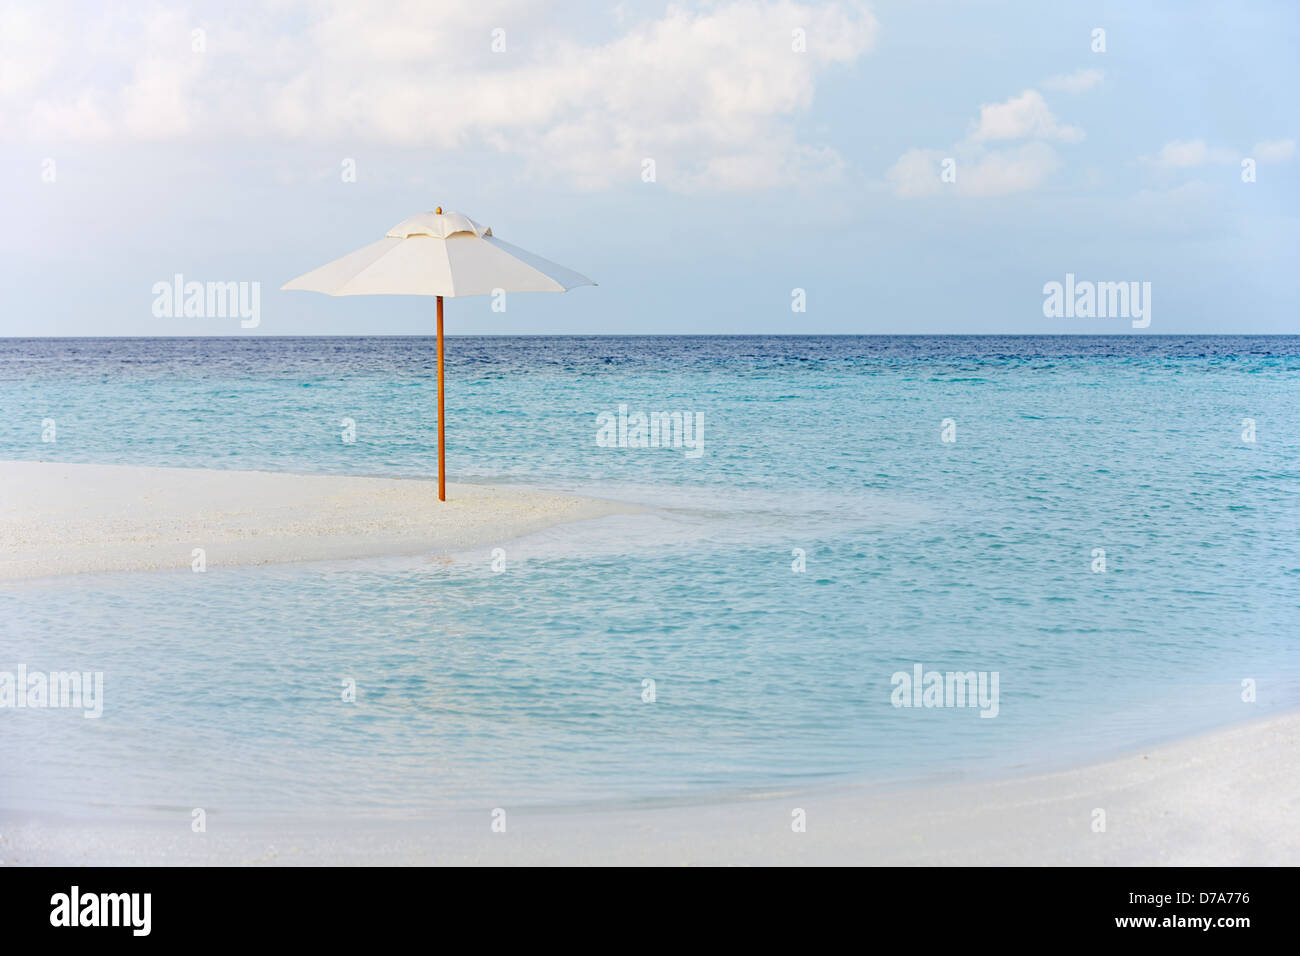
(979, 172)
(1274, 151)
(1020, 117)
(999, 172)
(917, 173)
(24, 64)
(1194, 152)
(710, 93)
(1080, 81)
(982, 170)
(1190, 153)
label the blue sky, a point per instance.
(775, 168)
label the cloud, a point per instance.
(917, 173)
(1020, 117)
(1180, 154)
(1080, 81)
(999, 172)
(711, 93)
(980, 170)
(1274, 151)
(1188, 154)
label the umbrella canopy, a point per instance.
(438, 253)
(444, 254)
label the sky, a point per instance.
(891, 167)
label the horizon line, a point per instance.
(681, 335)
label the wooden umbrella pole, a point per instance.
(442, 449)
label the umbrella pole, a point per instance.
(442, 458)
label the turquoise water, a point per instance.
(478, 688)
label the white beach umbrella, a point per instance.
(442, 254)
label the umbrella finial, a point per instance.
(438, 210)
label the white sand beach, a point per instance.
(64, 518)
(1228, 797)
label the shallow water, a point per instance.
(223, 689)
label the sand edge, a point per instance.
(1228, 797)
(58, 518)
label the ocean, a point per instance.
(1107, 524)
